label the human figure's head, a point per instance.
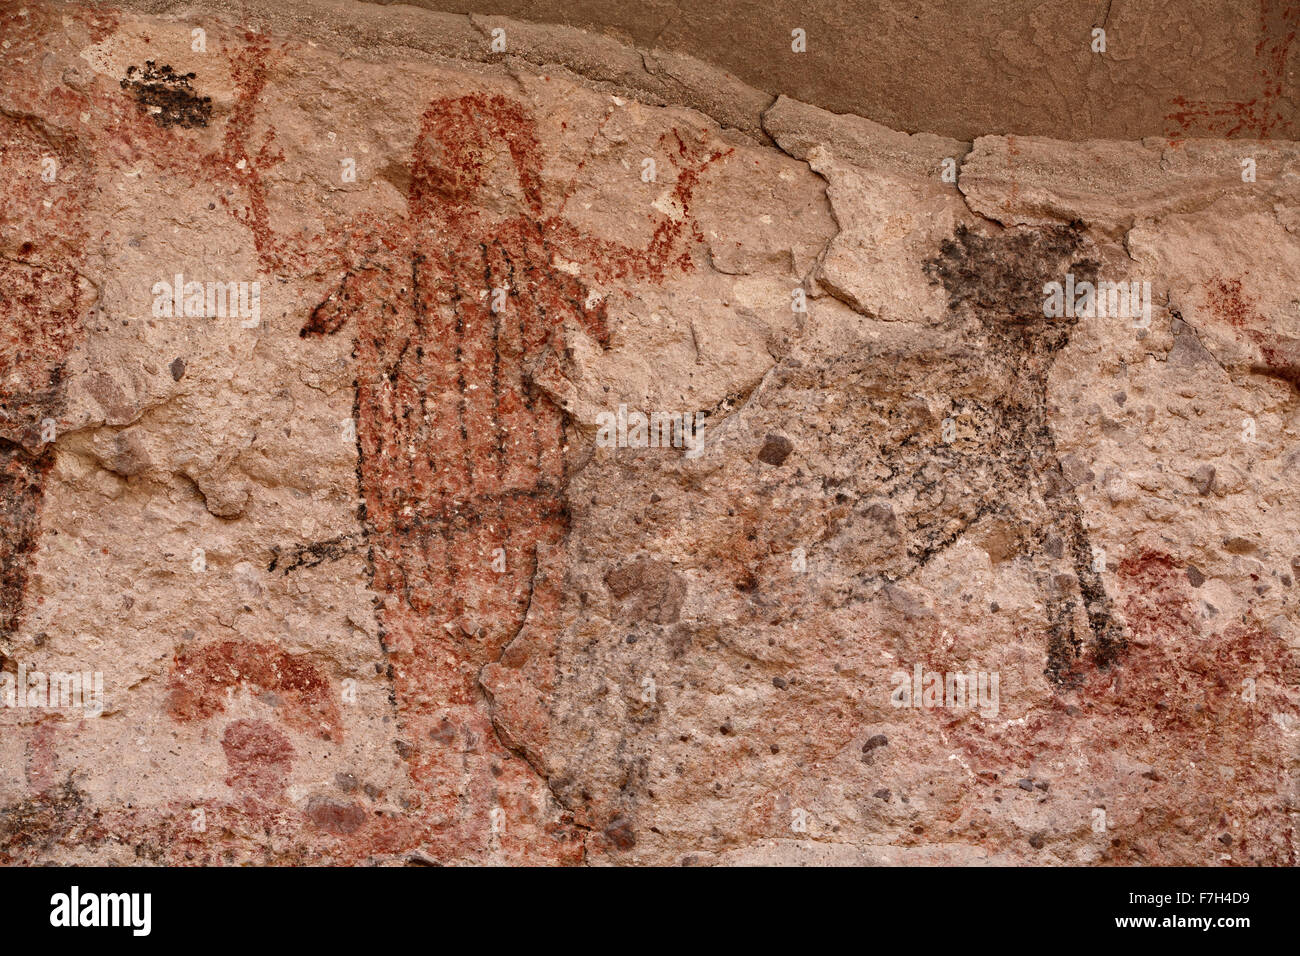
(460, 141)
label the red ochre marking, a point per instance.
(258, 757)
(487, 468)
(203, 677)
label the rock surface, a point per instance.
(369, 576)
(1201, 67)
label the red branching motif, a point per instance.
(462, 457)
(1262, 116)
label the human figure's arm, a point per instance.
(611, 259)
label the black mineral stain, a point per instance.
(22, 483)
(167, 96)
(310, 555)
(33, 826)
(997, 282)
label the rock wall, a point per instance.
(421, 453)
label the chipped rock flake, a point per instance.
(364, 587)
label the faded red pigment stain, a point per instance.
(1228, 301)
(258, 756)
(203, 678)
(43, 246)
(42, 757)
(336, 816)
(1262, 116)
(461, 456)
(1156, 603)
(42, 299)
(501, 439)
(1219, 772)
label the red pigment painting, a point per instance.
(42, 299)
(1262, 116)
(1229, 303)
(1193, 699)
(462, 458)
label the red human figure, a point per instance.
(462, 456)
(42, 300)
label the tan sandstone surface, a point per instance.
(366, 582)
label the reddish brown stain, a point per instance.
(460, 452)
(258, 757)
(1157, 601)
(42, 249)
(1175, 702)
(332, 816)
(43, 757)
(203, 677)
(1228, 301)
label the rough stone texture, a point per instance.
(365, 587)
(1205, 67)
